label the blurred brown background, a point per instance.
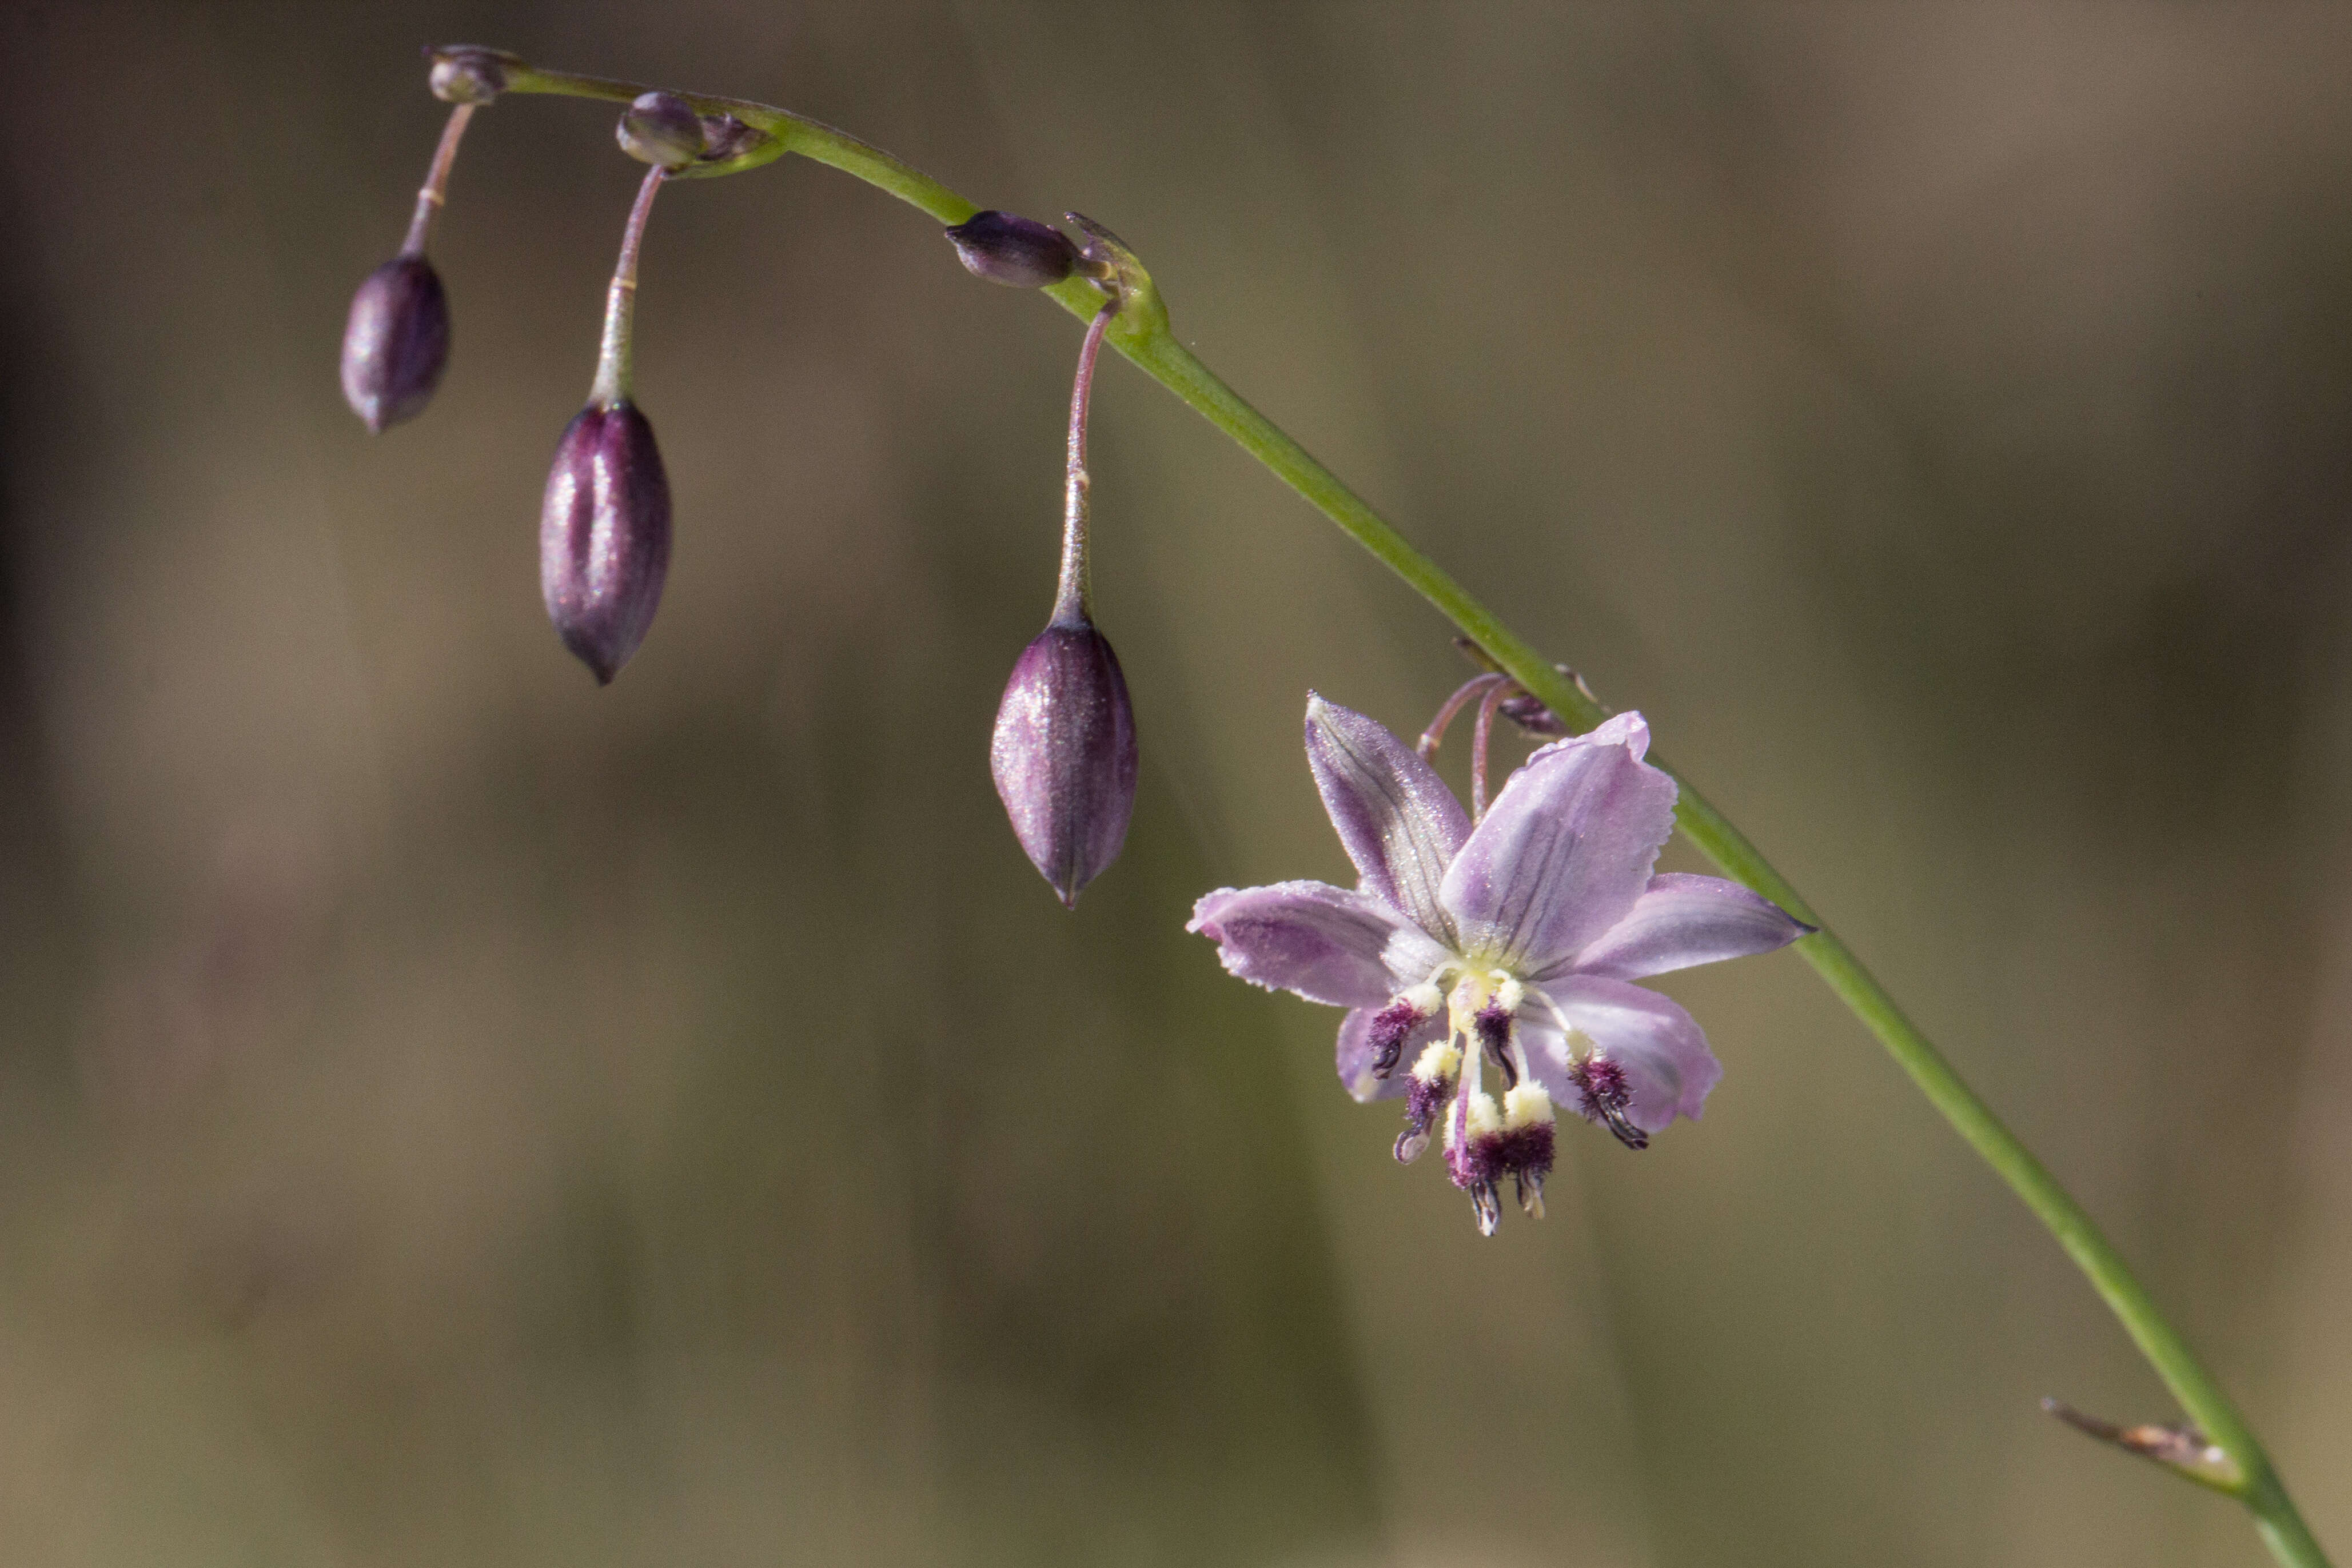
(451, 1115)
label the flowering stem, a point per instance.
(613, 364)
(1139, 332)
(436, 180)
(1070, 599)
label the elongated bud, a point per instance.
(396, 342)
(396, 339)
(1063, 755)
(662, 129)
(1018, 252)
(604, 524)
(603, 535)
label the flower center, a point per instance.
(1486, 1140)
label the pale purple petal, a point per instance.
(1355, 1054)
(1684, 920)
(1565, 851)
(1327, 944)
(1659, 1045)
(1396, 818)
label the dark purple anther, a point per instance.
(661, 129)
(1473, 1166)
(1425, 1098)
(1527, 1152)
(1391, 1025)
(1063, 755)
(396, 342)
(1020, 253)
(1493, 1026)
(604, 536)
(1602, 1093)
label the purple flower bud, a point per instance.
(661, 129)
(1063, 755)
(1530, 714)
(603, 535)
(396, 341)
(1020, 253)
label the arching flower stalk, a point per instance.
(396, 339)
(1291, 941)
(1064, 754)
(604, 523)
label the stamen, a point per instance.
(1487, 1207)
(1395, 1023)
(1602, 1088)
(1493, 1026)
(1457, 1128)
(1529, 1188)
(1431, 1082)
(1527, 1145)
(1472, 1143)
(1526, 1106)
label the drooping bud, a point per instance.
(1018, 252)
(1064, 752)
(396, 341)
(604, 524)
(1063, 755)
(662, 129)
(603, 535)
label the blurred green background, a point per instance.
(452, 1115)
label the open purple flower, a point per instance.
(1512, 944)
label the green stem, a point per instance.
(1140, 333)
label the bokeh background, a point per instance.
(452, 1115)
